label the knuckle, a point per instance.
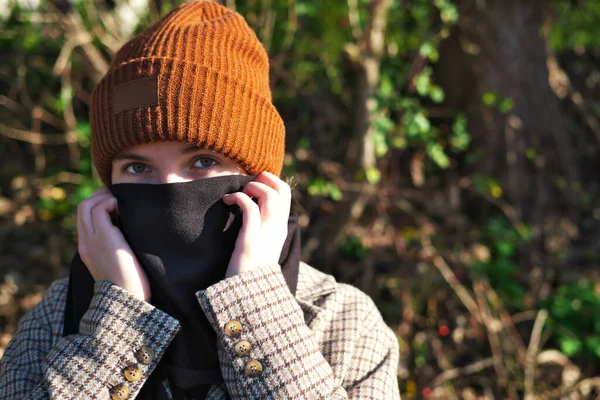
(97, 210)
(84, 204)
(267, 191)
(101, 191)
(254, 187)
(284, 189)
(235, 197)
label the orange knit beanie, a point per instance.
(200, 76)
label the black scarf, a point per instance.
(183, 235)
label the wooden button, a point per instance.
(145, 355)
(253, 368)
(233, 329)
(133, 373)
(242, 348)
(119, 392)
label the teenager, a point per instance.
(188, 283)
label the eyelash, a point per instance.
(194, 161)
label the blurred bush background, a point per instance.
(445, 157)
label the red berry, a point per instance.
(426, 392)
(444, 331)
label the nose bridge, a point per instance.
(169, 168)
(171, 177)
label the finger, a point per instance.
(282, 188)
(85, 207)
(100, 214)
(84, 223)
(268, 200)
(250, 212)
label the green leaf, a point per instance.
(373, 175)
(381, 146)
(386, 87)
(506, 105)
(489, 99)
(448, 11)
(460, 139)
(321, 187)
(436, 93)
(422, 83)
(383, 124)
(422, 122)
(530, 153)
(428, 50)
(83, 131)
(436, 152)
(505, 248)
(31, 40)
(570, 345)
(352, 247)
(306, 8)
(303, 143)
(593, 344)
(335, 193)
(398, 142)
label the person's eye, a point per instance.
(136, 168)
(204, 162)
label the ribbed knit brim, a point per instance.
(200, 76)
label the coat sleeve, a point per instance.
(39, 363)
(291, 364)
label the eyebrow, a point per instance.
(191, 149)
(132, 156)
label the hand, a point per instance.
(264, 225)
(103, 248)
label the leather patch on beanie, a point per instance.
(133, 94)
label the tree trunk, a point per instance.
(498, 47)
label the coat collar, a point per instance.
(313, 283)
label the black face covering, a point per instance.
(183, 235)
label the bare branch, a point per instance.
(507, 321)
(460, 371)
(33, 137)
(461, 292)
(532, 351)
(492, 327)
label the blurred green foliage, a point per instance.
(574, 311)
(575, 27)
(402, 98)
(353, 248)
(504, 241)
(573, 308)
(328, 189)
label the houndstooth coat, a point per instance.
(327, 342)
